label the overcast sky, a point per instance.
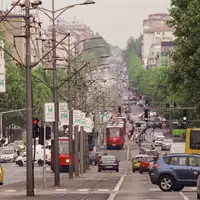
(115, 20)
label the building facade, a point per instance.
(155, 31)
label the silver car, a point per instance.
(166, 144)
(8, 155)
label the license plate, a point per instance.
(114, 144)
(108, 167)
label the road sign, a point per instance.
(82, 119)
(105, 117)
(88, 125)
(63, 113)
(49, 112)
(76, 117)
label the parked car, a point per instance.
(2, 170)
(175, 171)
(8, 154)
(146, 163)
(166, 144)
(108, 162)
(94, 157)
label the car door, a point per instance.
(179, 167)
(194, 169)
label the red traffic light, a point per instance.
(35, 121)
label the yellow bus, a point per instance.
(192, 143)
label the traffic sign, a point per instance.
(64, 113)
(49, 112)
(82, 119)
(76, 117)
(105, 117)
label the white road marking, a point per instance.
(60, 190)
(83, 190)
(145, 182)
(103, 190)
(117, 187)
(193, 188)
(154, 189)
(11, 191)
(184, 197)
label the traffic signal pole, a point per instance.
(29, 110)
(55, 100)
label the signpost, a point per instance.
(2, 69)
(49, 112)
(76, 117)
(64, 113)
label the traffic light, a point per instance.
(175, 105)
(167, 105)
(146, 114)
(184, 115)
(35, 128)
(41, 134)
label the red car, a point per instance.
(146, 163)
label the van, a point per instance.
(39, 156)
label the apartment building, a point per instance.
(155, 31)
(13, 30)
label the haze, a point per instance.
(115, 20)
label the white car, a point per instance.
(158, 142)
(8, 154)
(158, 136)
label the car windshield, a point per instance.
(8, 151)
(150, 159)
(63, 146)
(154, 153)
(108, 158)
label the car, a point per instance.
(150, 152)
(158, 135)
(146, 163)
(94, 157)
(158, 142)
(198, 187)
(166, 144)
(108, 162)
(173, 172)
(136, 162)
(8, 154)
(2, 170)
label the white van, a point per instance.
(39, 156)
(178, 147)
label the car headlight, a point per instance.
(67, 160)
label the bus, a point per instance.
(192, 144)
(178, 129)
(115, 136)
(63, 154)
(122, 120)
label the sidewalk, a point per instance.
(66, 184)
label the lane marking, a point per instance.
(10, 191)
(154, 189)
(60, 190)
(103, 190)
(184, 197)
(82, 190)
(117, 187)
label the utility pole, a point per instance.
(55, 100)
(76, 151)
(81, 150)
(70, 115)
(29, 111)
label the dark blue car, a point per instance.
(175, 171)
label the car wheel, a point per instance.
(20, 163)
(1, 183)
(141, 172)
(40, 162)
(133, 170)
(165, 183)
(178, 188)
(99, 170)
(117, 170)
(93, 163)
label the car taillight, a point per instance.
(115, 162)
(97, 158)
(155, 166)
(101, 162)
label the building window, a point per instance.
(158, 33)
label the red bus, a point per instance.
(115, 136)
(63, 154)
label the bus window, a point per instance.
(113, 132)
(195, 139)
